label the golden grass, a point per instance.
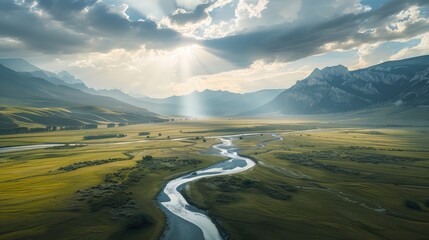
(36, 198)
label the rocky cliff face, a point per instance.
(336, 89)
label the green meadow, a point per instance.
(322, 181)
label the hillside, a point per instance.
(20, 89)
(205, 103)
(14, 117)
(336, 89)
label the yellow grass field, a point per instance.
(312, 184)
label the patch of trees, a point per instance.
(116, 199)
(72, 128)
(90, 126)
(412, 205)
(144, 133)
(308, 159)
(313, 158)
(78, 165)
(114, 193)
(171, 164)
(102, 136)
(280, 191)
(19, 130)
(139, 221)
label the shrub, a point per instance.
(90, 126)
(102, 136)
(139, 221)
(412, 205)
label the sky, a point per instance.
(160, 48)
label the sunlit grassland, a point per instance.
(172, 129)
(37, 200)
(342, 202)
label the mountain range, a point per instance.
(336, 89)
(30, 95)
(22, 93)
(212, 103)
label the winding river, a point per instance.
(184, 220)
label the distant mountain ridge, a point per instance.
(25, 90)
(22, 66)
(336, 89)
(330, 90)
(210, 103)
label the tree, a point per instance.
(159, 134)
(412, 205)
(204, 140)
(147, 158)
(241, 137)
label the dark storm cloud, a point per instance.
(59, 26)
(61, 9)
(276, 43)
(103, 22)
(56, 26)
(35, 33)
(195, 16)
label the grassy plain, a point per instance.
(340, 183)
(293, 192)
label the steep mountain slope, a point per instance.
(13, 117)
(19, 65)
(336, 89)
(22, 66)
(19, 89)
(210, 103)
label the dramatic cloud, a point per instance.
(392, 21)
(55, 26)
(177, 46)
